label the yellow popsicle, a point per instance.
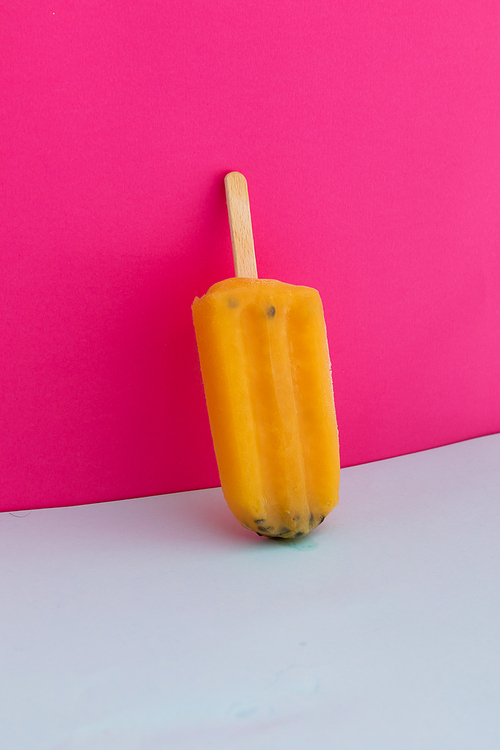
(266, 372)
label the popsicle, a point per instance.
(266, 373)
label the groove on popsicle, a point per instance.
(313, 402)
(262, 405)
(271, 399)
(240, 224)
(283, 373)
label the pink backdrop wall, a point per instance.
(370, 136)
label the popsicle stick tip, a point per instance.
(234, 177)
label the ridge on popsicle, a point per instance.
(266, 373)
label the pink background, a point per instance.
(370, 136)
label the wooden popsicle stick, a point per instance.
(240, 223)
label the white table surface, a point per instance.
(159, 623)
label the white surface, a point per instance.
(159, 623)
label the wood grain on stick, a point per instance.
(240, 223)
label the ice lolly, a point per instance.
(266, 373)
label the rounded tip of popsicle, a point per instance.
(301, 527)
